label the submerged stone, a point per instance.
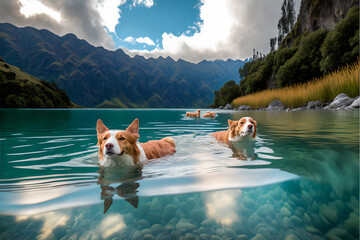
(352, 224)
(285, 212)
(185, 225)
(258, 236)
(148, 237)
(248, 203)
(328, 212)
(197, 215)
(311, 229)
(242, 237)
(169, 211)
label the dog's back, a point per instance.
(195, 114)
(159, 148)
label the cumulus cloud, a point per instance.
(229, 29)
(85, 18)
(145, 40)
(146, 3)
(129, 39)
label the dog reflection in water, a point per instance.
(239, 137)
(126, 178)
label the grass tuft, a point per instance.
(326, 88)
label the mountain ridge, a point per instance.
(91, 75)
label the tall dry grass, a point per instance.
(344, 80)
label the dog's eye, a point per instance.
(104, 138)
(121, 138)
(241, 122)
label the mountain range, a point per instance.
(96, 77)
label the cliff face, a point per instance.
(322, 14)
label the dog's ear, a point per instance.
(255, 126)
(230, 122)
(134, 126)
(100, 128)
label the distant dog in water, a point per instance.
(121, 148)
(209, 114)
(195, 114)
(238, 137)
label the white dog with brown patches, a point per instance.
(237, 137)
(121, 148)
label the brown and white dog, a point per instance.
(209, 114)
(237, 137)
(121, 148)
(195, 114)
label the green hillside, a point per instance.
(21, 90)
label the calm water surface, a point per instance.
(302, 184)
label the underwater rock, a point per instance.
(137, 235)
(248, 203)
(207, 223)
(263, 231)
(258, 236)
(286, 223)
(353, 204)
(332, 237)
(340, 233)
(59, 231)
(204, 236)
(291, 236)
(242, 237)
(306, 218)
(265, 210)
(156, 229)
(191, 204)
(197, 215)
(169, 211)
(329, 213)
(315, 221)
(142, 223)
(296, 221)
(145, 231)
(154, 217)
(148, 237)
(163, 236)
(277, 193)
(352, 224)
(305, 198)
(190, 236)
(311, 229)
(285, 212)
(185, 225)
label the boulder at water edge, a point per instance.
(276, 105)
(341, 101)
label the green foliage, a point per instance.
(281, 56)
(20, 90)
(341, 45)
(304, 65)
(226, 94)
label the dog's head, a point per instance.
(242, 129)
(115, 143)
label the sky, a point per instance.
(192, 30)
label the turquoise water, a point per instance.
(303, 183)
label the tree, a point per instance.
(272, 44)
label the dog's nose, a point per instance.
(109, 146)
(250, 126)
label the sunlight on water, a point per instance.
(300, 180)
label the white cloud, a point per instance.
(33, 7)
(109, 12)
(229, 29)
(146, 3)
(130, 39)
(145, 40)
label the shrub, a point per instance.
(341, 45)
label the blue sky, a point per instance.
(192, 30)
(175, 17)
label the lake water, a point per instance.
(302, 184)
